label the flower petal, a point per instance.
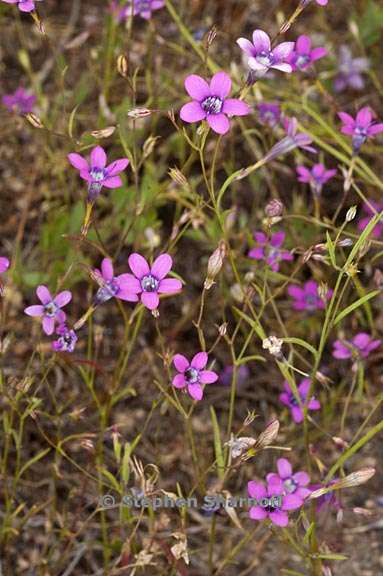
(4, 264)
(98, 157)
(199, 361)
(303, 44)
(179, 381)
(169, 286)
(257, 513)
(208, 377)
(129, 283)
(195, 391)
(116, 167)
(181, 362)
(150, 300)
(36, 310)
(48, 325)
(63, 298)
(291, 502)
(197, 87)
(283, 51)
(112, 182)
(256, 490)
(220, 85)
(246, 46)
(284, 468)
(107, 269)
(302, 478)
(127, 296)
(138, 265)
(161, 266)
(279, 518)
(261, 41)
(192, 112)
(235, 107)
(43, 294)
(219, 123)
(78, 161)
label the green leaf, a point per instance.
(33, 461)
(355, 305)
(218, 445)
(302, 343)
(330, 556)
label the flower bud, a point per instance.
(122, 65)
(139, 113)
(274, 208)
(351, 213)
(215, 264)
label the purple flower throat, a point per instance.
(212, 105)
(191, 375)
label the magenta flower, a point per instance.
(363, 222)
(267, 501)
(359, 347)
(113, 286)
(269, 249)
(330, 499)
(350, 71)
(316, 177)
(292, 483)
(210, 102)
(150, 281)
(361, 128)
(20, 101)
(269, 114)
(320, 2)
(4, 264)
(302, 56)
(97, 173)
(23, 5)
(50, 308)
(143, 8)
(192, 374)
(307, 298)
(66, 341)
(261, 57)
(288, 399)
(291, 141)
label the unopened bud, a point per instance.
(345, 243)
(34, 120)
(323, 291)
(105, 133)
(340, 443)
(351, 213)
(139, 112)
(148, 146)
(122, 65)
(211, 36)
(177, 177)
(215, 264)
(222, 329)
(274, 208)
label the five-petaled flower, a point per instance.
(288, 399)
(112, 286)
(210, 102)
(302, 56)
(193, 374)
(23, 5)
(66, 340)
(149, 282)
(269, 249)
(20, 101)
(143, 8)
(292, 140)
(97, 173)
(316, 177)
(261, 57)
(359, 347)
(360, 128)
(269, 113)
(292, 483)
(350, 71)
(307, 297)
(50, 308)
(272, 501)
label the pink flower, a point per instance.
(363, 222)
(192, 374)
(269, 249)
(113, 286)
(97, 173)
(302, 56)
(210, 102)
(261, 57)
(4, 264)
(20, 101)
(272, 502)
(292, 140)
(316, 177)
(23, 5)
(143, 8)
(292, 483)
(50, 308)
(150, 281)
(361, 128)
(269, 113)
(307, 298)
(359, 347)
(288, 399)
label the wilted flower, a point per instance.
(273, 345)
(96, 173)
(288, 399)
(350, 71)
(269, 113)
(316, 177)
(302, 56)
(291, 141)
(210, 102)
(292, 483)
(308, 298)
(261, 57)
(278, 502)
(50, 308)
(359, 347)
(66, 341)
(192, 374)
(143, 8)
(269, 249)
(20, 101)
(148, 281)
(23, 5)
(361, 128)
(113, 286)
(363, 222)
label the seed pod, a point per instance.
(34, 120)
(122, 65)
(104, 133)
(215, 264)
(139, 113)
